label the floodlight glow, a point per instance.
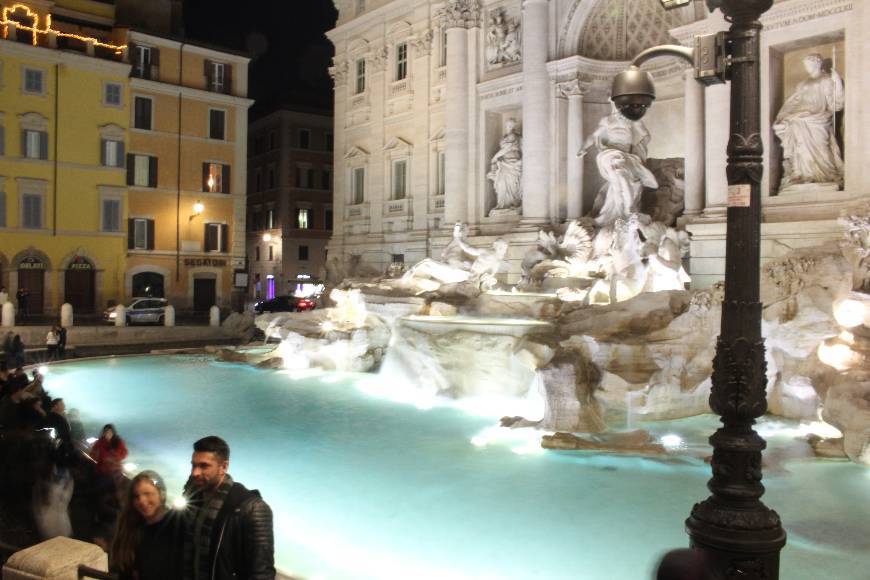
(837, 355)
(42, 370)
(179, 503)
(267, 237)
(91, 440)
(130, 467)
(850, 313)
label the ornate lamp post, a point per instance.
(738, 535)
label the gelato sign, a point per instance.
(31, 264)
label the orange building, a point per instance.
(186, 172)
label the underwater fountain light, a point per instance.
(672, 441)
(42, 370)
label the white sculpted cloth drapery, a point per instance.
(506, 172)
(805, 125)
(622, 146)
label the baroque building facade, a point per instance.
(290, 177)
(426, 93)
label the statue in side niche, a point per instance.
(805, 126)
(506, 168)
(622, 152)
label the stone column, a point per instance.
(458, 17)
(574, 165)
(695, 141)
(536, 112)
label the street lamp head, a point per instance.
(267, 237)
(198, 208)
(633, 92)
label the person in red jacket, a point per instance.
(109, 451)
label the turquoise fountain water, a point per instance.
(363, 487)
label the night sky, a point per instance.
(285, 38)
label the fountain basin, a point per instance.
(365, 488)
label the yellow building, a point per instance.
(63, 123)
(122, 161)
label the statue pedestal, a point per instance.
(509, 212)
(799, 188)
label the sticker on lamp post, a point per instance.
(739, 195)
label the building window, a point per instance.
(35, 144)
(303, 253)
(400, 179)
(441, 175)
(271, 173)
(112, 95)
(330, 142)
(215, 177)
(270, 219)
(304, 139)
(304, 177)
(111, 220)
(398, 258)
(360, 75)
(303, 218)
(257, 253)
(327, 218)
(326, 179)
(358, 185)
(271, 253)
(142, 113)
(31, 211)
(140, 234)
(402, 61)
(215, 237)
(218, 77)
(141, 170)
(217, 122)
(144, 59)
(2, 140)
(34, 81)
(2, 209)
(112, 153)
(443, 59)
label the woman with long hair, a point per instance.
(148, 543)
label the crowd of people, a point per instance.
(22, 297)
(220, 530)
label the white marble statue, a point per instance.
(429, 275)
(502, 39)
(506, 168)
(805, 126)
(622, 152)
(664, 250)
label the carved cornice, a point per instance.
(338, 71)
(422, 43)
(460, 14)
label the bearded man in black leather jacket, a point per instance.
(229, 528)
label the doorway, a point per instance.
(34, 281)
(204, 294)
(80, 286)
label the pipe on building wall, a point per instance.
(178, 168)
(56, 148)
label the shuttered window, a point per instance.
(31, 211)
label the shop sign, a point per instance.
(205, 262)
(31, 264)
(80, 263)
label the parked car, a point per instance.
(140, 311)
(285, 304)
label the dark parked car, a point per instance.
(284, 304)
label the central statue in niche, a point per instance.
(506, 169)
(622, 152)
(805, 126)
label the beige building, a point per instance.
(290, 180)
(186, 172)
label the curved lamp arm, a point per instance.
(683, 52)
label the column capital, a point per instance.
(572, 88)
(461, 14)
